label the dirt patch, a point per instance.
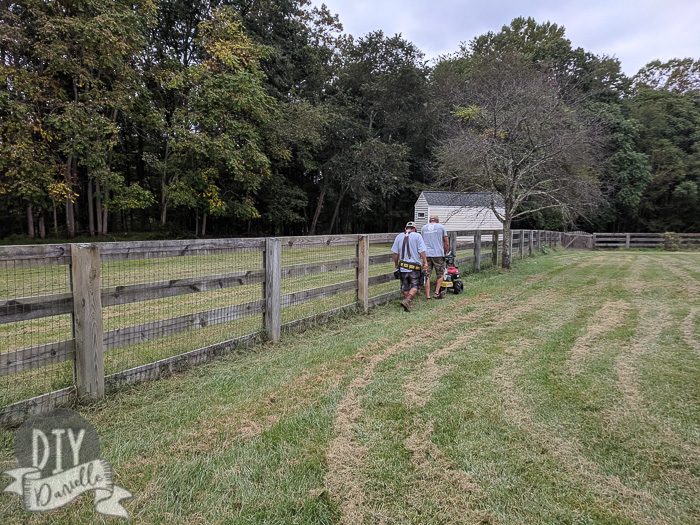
(607, 318)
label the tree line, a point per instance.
(254, 117)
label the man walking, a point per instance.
(408, 253)
(437, 244)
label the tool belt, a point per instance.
(409, 266)
(405, 264)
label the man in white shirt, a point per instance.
(437, 244)
(408, 253)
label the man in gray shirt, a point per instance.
(408, 253)
(437, 244)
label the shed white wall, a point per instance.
(456, 218)
(421, 207)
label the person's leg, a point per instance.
(412, 280)
(440, 269)
(427, 280)
(405, 287)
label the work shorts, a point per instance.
(410, 280)
(438, 263)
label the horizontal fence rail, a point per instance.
(77, 320)
(647, 240)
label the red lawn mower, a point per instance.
(451, 279)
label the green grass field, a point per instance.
(564, 391)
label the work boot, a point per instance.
(406, 303)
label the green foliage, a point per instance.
(167, 110)
(670, 135)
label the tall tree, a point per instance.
(518, 134)
(669, 134)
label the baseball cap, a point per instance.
(410, 224)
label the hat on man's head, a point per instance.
(410, 224)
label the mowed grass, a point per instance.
(564, 391)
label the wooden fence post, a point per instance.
(452, 236)
(477, 251)
(627, 240)
(363, 272)
(530, 238)
(494, 248)
(273, 281)
(87, 321)
(521, 242)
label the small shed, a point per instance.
(459, 211)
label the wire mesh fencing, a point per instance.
(166, 303)
(381, 268)
(36, 335)
(319, 274)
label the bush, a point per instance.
(671, 242)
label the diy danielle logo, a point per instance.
(59, 459)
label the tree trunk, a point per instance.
(335, 211)
(163, 211)
(30, 221)
(98, 206)
(317, 213)
(91, 210)
(163, 187)
(105, 215)
(204, 224)
(55, 220)
(196, 224)
(70, 218)
(507, 236)
(42, 226)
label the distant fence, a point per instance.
(646, 240)
(79, 320)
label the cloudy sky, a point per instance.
(635, 32)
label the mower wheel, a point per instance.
(458, 287)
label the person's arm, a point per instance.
(446, 244)
(422, 250)
(425, 260)
(395, 252)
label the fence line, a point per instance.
(647, 240)
(81, 319)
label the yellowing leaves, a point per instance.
(467, 113)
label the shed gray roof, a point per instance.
(454, 198)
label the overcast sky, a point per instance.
(635, 32)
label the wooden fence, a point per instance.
(274, 276)
(646, 240)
